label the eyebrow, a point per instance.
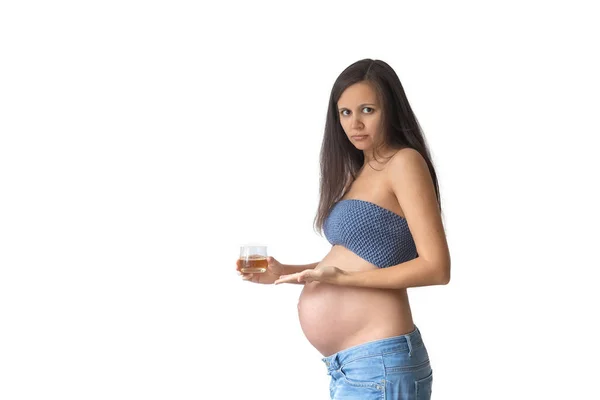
(362, 105)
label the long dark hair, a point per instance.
(340, 160)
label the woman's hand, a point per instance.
(325, 274)
(274, 271)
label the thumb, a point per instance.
(307, 276)
(273, 265)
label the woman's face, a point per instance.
(361, 116)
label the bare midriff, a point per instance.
(334, 318)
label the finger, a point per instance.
(287, 278)
(305, 276)
(247, 277)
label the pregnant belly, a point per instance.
(337, 317)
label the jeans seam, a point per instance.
(381, 354)
(372, 385)
(408, 368)
(400, 351)
(418, 381)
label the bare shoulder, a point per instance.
(406, 162)
(407, 154)
(411, 183)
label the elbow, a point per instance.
(445, 279)
(443, 274)
(439, 269)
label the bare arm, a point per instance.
(411, 182)
(292, 269)
(413, 187)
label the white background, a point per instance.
(142, 142)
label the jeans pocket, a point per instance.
(423, 387)
(368, 373)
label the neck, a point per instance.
(381, 155)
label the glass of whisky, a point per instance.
(254, 259)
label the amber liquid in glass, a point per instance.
(254, 264)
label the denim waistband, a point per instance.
(404, 343)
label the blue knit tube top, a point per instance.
(372, 232)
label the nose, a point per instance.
(356, 122)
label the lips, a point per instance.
(359, 137)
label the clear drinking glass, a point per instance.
(254, 259)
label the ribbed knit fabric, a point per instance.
(374, 233)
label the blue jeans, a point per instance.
(395, 368)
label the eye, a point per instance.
(346, 112)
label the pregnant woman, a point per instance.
(380, 209)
